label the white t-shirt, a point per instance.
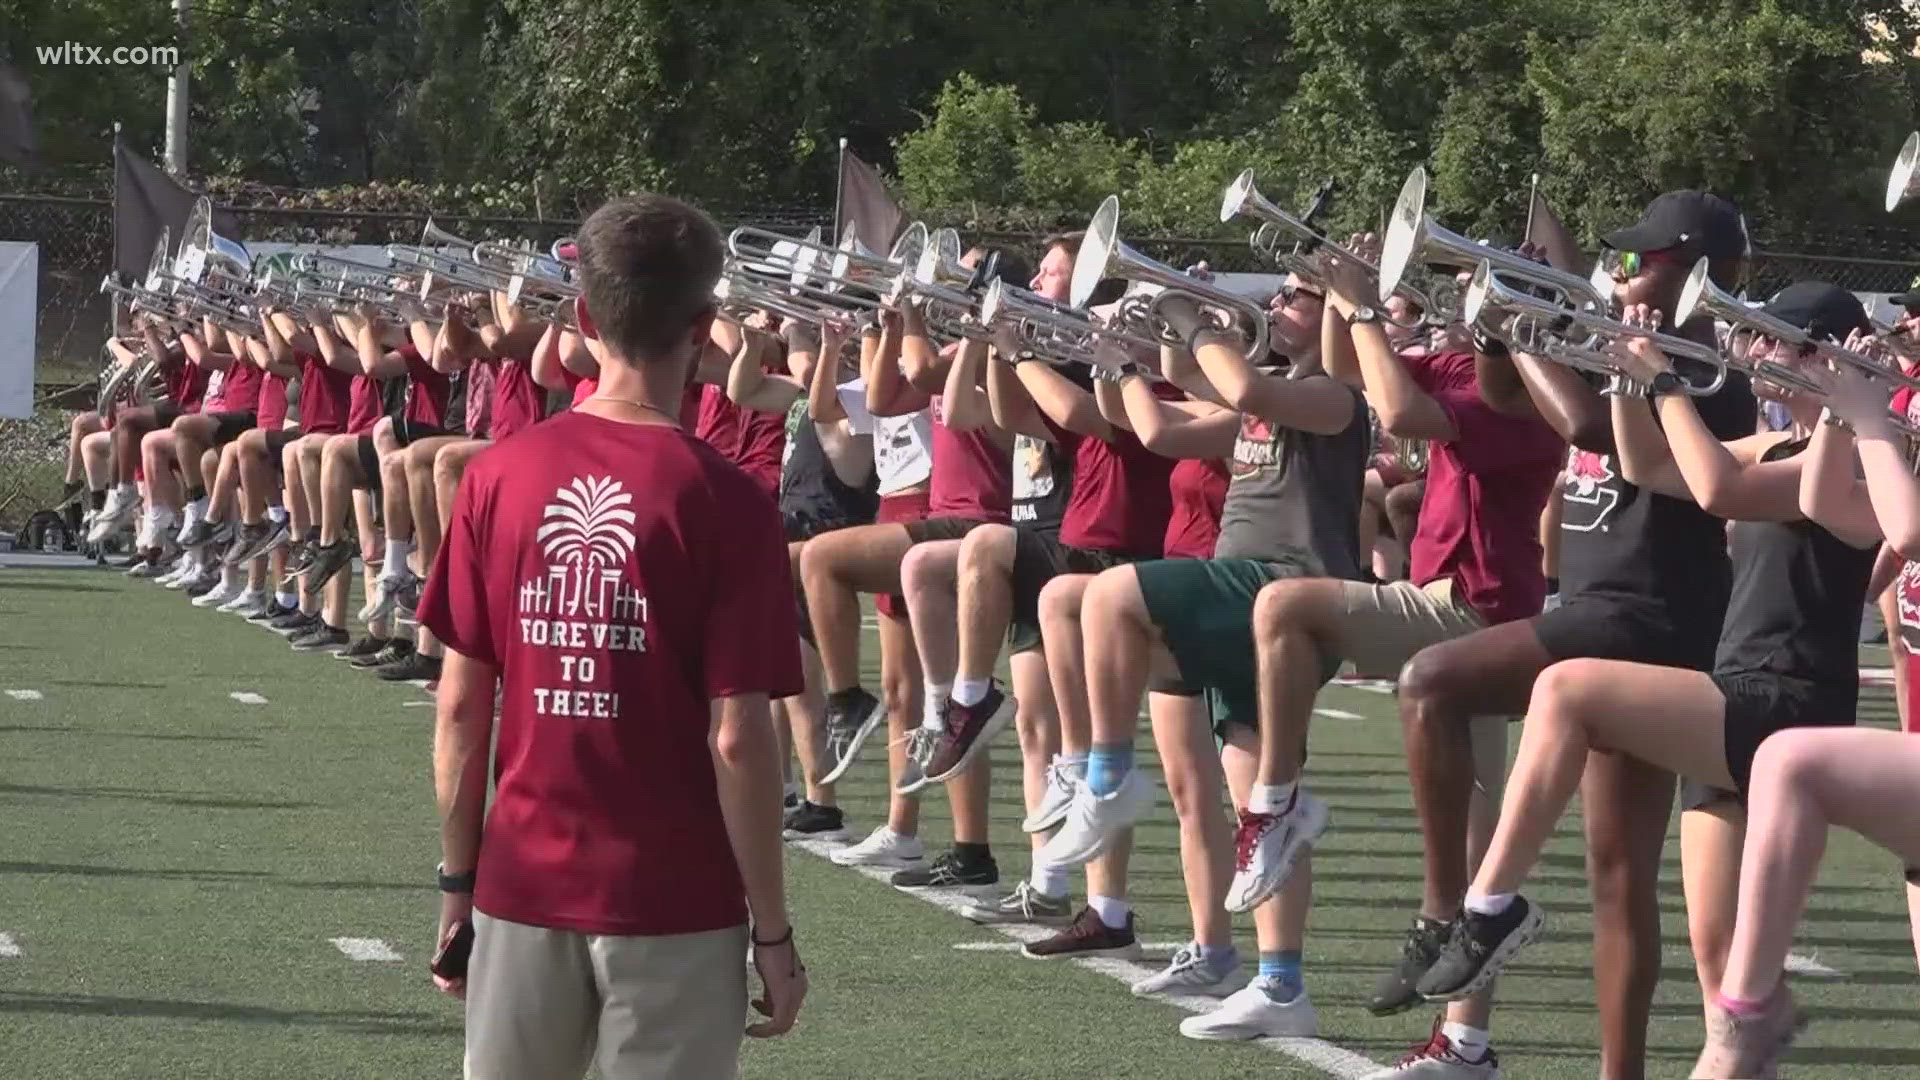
(902, 445)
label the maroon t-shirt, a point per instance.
(756, 441)
(427, 390)
(480, 379)
(1120, 500)
(619, 577)
(1480, 518)
(972, 473)
(518, 401)
(187, 385)
(271, 411)
(324, 393)
(239, 388)
(363, 404)
(1198, 487)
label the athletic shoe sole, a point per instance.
(1123, 952)
(831, 836)
(1042, 824)
(887, 862)
(1523, 935)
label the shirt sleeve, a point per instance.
(454, 602)
(752, 636)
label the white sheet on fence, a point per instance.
(19, 286)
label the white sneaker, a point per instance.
(245, 599)
(110, 518)
(194, 514)
(1092, 820)
(227, 591)
(1438, 1060)
(1186, 973)
(1057, 797)
(882, 847)
(1248, 1013)
(913, 775)
(1266, 846)
(386, 591)
(186, 575)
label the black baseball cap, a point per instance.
(1827, 312)
(1910, 298)
(1693, 221)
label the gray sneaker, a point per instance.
(1187, 973)
(1023, 905)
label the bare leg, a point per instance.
(1122, 652)
(1060, 603)
(226, 483)
(1034, 721)
(157, 455)
(986, 598)
(87, 423)
(900, 693)
(371, 554)
(835, 569)
(96, 458)
(192, 436)
(1183, 733)
(1897, 650)
(1279, 923)
(339, 477)
(1710, 840)
(928, 580)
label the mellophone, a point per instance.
(1529, 306)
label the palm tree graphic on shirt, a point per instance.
(587, 535)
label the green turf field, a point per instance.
(175, 864)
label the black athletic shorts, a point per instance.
(928, 530)
(228, 426)
(369, 463)
(407, 432)
(165, 413)
(1761, 703)
(800, 525)
(1039, 557)
(1617, 627)
(278, 440)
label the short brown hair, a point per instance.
(1069, 240)
(648, 264)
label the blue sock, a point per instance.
(1107, 766)
(1283, 968)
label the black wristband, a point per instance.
(1488, 345)
(781, 940)
(454, 883)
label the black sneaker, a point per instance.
(197, 533)
(397, 649)
(320, 636)
(252, 541)
(810, 822)
(300, 556)
(1480, 946)
(270, 612)
(294, 622)
(328, 560)
(414, 668)
(948, 872)
(1395, 992)
(364, 646)
(851, 717)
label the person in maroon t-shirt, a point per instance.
(204, 445)
(288, 353)
(632, 607)
(185, 383)
(211, 354)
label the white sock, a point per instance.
(198, 507)
(970, 691)
(1269, 798)
(397, 552)
(276, 514)
(286, 599)
(1113, 913)
(1489, 903)
(1468, 1042)
(1048, 879)
(1075, 764)
(129, 492)
(937, 694)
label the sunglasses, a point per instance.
(1289, 293)
(1622, 265)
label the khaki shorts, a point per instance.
(1386, 624)
(542, 1004)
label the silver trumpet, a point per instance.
(1700, 296)
(1103, 255)
(1413, 236)
(445, 259)
(1904, 181)
(1487, 295)
(1242, 197)
(739, 296)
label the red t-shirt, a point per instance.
(480, 378)
(972, 473)
(427, 390)
(187, 385)
(756, 441)
(363, 404)
(518, 401)
(619, 577)
(324, 394)
(239, 388)
(1120, 500)
(271, 410)
(1198, 488)
(580, 386)
(1480, 518)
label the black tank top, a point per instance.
(1797, 596)
(811, 490)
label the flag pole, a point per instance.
(839, 188)
(113, 309)
(1533, 200)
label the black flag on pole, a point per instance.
(16, 117)
(145, 201)
(866, 204)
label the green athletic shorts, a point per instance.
(1204, 610)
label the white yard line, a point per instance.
(1155, 947)
(247, 697)
(8, 946)
(1372, 686)
(1811, 968)
(1337, 714)
(366, 948)
(25, 695)
(416, 704)
(1319, 1053)
(1877, 676)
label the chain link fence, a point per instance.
(75, 237)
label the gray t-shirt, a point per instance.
(1294, 498)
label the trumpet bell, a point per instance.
(1097, 249)
(1903, 182)
(1403, 230)
(1413, 236)
(1237, 195)
(203, 251)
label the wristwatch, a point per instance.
(1363, 315)
(454, 883)
(1664, 384)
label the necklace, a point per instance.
(632, 404)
